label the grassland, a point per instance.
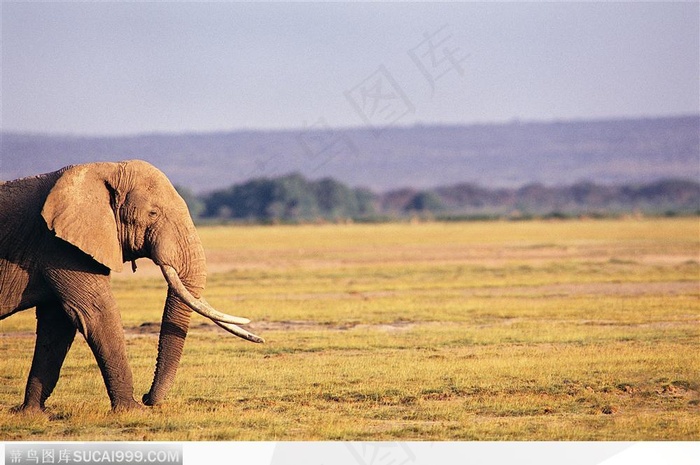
(571, 330)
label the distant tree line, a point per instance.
(289, 198)
(293, 198)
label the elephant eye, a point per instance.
(153, 213)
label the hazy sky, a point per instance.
(124, 68)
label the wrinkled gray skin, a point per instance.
(61, 234)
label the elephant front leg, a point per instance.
(54, 335)
(105, 336)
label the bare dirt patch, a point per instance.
(302, 325)
(605, 289)
(289, 325)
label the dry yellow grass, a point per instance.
(579, 330)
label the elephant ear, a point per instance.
(79, 210)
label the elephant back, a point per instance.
(21, 201)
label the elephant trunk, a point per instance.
(186, 282)
(173, 330)
(190, 264)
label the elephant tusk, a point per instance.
(240, 332)
(200, 306)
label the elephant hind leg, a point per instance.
(54, 335)
(90, 305)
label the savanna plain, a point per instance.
(532, 330)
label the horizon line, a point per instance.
(359, 127)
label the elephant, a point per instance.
(61, 236)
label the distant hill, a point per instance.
(418, 157)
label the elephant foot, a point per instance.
(127, 406)
(28, 409)
(148, 400)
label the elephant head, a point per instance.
(118, 212)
